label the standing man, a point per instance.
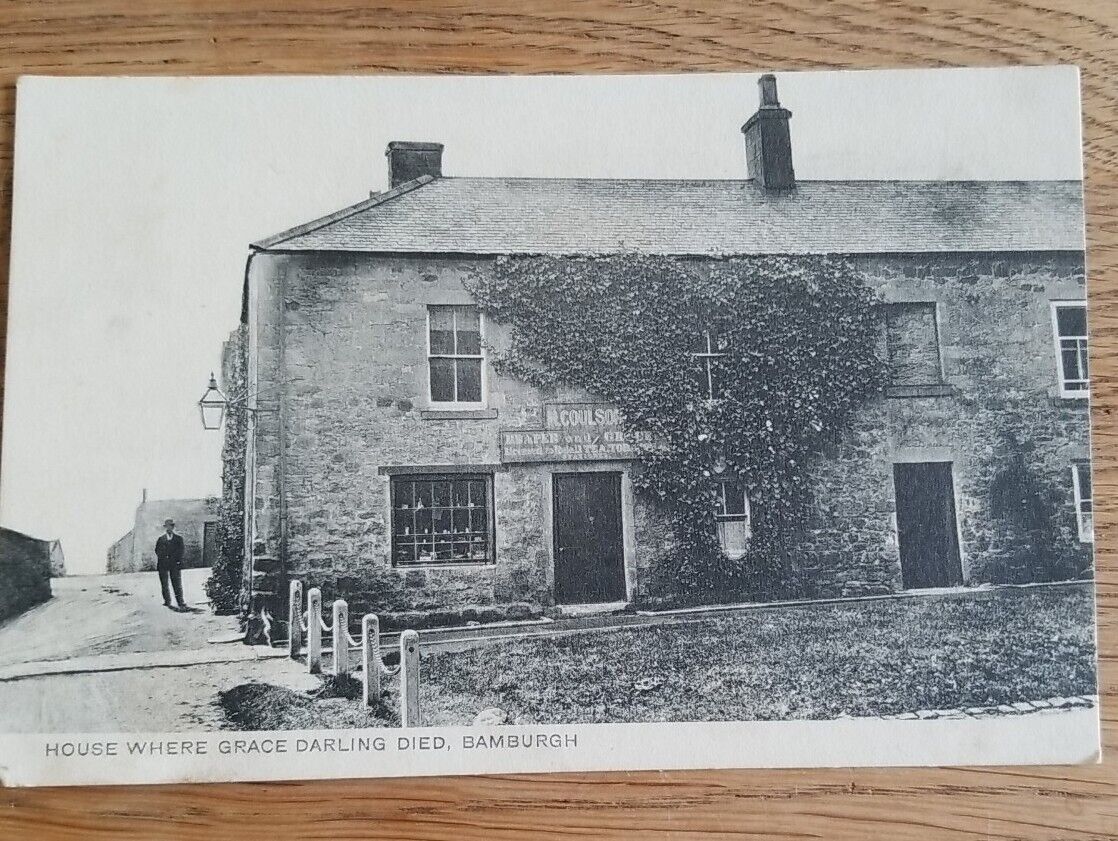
(168, 555)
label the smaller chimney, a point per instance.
(768, 143)
(144, 495)
(408, 160)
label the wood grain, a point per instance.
(166, 37)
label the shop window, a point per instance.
(442, 519)
(1069, 320)
(455, 359)
(734, 526)
(1084, 501)
(913, 340)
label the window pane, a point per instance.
(461, 522)
(1069, 356)
(442, 380)
(442, 493)
(733, 537)
(461, 494)
(477, 494)
(733, 498)
(1071, 321)
(442, 329)
(913, 344)
(469, 331)
(1083, 473)
(469, 380)
(701, 343)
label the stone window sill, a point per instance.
(930, 390)
(1067, 401)
(458, 414)
(462, 565)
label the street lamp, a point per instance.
(212, 406)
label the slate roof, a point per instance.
(602, 216)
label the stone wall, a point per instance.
(24, 572)
(339, 344)
(1001, 404)
(119, 557)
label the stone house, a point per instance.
(195, 520)
(387, 462)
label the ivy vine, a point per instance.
(224, 586)
(799, 340)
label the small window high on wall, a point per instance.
(733, 517)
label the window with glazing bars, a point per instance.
(441, 519)
(1071, 348)
(733, 517)
(454, 355)
(709, 351)
(1084, 501)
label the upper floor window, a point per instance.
(733, 517)
(1070, 325)
(912, 334)
(442, 519)
(1084, 501)
(454, 355)
(708, 351)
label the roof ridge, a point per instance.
(345, 212)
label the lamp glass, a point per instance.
(212, 406)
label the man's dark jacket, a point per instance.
(168, 552)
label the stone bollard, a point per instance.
(409, 679)
(341, 637)
(314, 630)
(295, 620)
(370, 654)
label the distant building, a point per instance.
(25, 571)
(57, 559)
(195, 520)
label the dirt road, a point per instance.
(109, 614)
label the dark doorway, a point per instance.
(209, 544)
(926, 529)
(589, 559)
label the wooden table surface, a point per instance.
(248, 36)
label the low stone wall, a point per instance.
(24, 572)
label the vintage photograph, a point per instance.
(344, 407)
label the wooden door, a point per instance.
(589, 557)
(926, 530)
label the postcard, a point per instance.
(371, 426)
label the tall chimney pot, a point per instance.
(408, 160)
(768, 142)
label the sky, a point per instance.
(135, 201)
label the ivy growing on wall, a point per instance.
(224, 586)
(799, 344)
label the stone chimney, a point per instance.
(408, 160)
(768, 144)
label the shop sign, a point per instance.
(572, 432)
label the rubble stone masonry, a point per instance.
(338, 357)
